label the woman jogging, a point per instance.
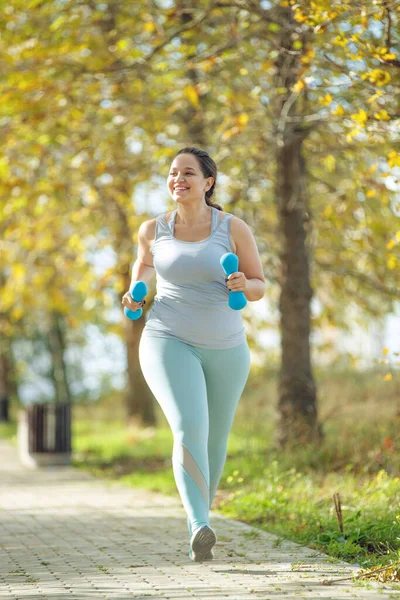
(193, 351)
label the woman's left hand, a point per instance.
(236, 282)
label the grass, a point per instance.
(8, 430)
(287, 493)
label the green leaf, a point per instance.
(274, 27)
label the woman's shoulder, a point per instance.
(148, 228)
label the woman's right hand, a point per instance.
(130, 303)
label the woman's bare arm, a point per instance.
(143, 269)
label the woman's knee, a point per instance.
(190, 434)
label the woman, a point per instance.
(193, 351)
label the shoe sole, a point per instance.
(204, 539)
(209, 556)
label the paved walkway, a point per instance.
(65, 534)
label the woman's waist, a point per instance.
(199, 303)
(195, 294)
(210, 320)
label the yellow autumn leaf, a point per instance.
(18, 272)
(340, 41)
(149, 26)
(191, 94)
(328, 211)
(385, 351)
(57, 23)
(391, 262)
(394, 159)
(360, 117)
(243, 119)
(91, 196)
(123, 44)
(391, 244)
(161, 66)
(299, 16)
(338, 111)
(243, 71)
(397, 236)
(352, 134)
(373, 168)
(375, 96)
(298, 86)
(388, 377)
(378, 77)
(206, 65)
(382, 115)
(229, 133)
(75, 242)
(306, 58)
(325, 100)
(389, 56)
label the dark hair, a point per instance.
(208, 168)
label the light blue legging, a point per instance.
(198, 390)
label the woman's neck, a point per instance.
(193, 215)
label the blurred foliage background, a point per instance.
(97, 97)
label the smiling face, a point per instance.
(186, 181)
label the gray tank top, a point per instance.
(191, 303)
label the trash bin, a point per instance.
(4, 416)
(44, 434)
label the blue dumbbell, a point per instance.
(138, 292)
(230, 264)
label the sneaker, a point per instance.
(202, 543)
(208, 556)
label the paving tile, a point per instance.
(67, 535)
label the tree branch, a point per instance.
(388, 31)
(217, 50)
(392, 292)
(168, 39)
(250, 7)
(328, 185)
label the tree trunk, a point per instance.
(56, 340)
(192, 116)
(5, 391)
(297, 392)
(298, 423)
(138, 397)
(8, 372)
